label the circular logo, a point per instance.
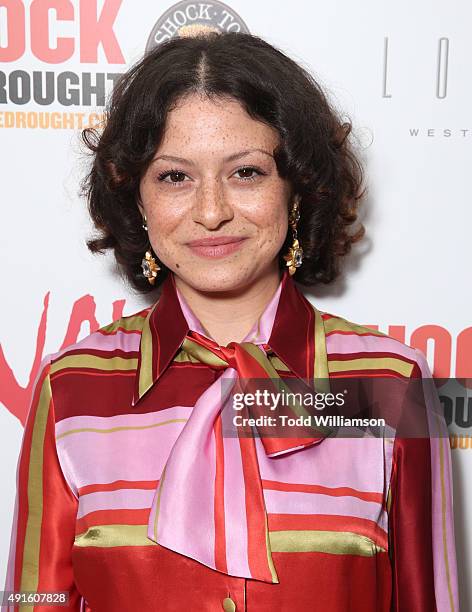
(191, 18)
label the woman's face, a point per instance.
(213, 178)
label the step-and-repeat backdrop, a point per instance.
(401, 72)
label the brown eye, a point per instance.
(176, 176)
(249, 170)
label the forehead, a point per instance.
(200, 123)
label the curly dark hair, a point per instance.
(314, 153)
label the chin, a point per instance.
(219, 277)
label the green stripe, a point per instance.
(201, 353)
(145, 369)
(131, 323)
(92, 361)
(333, 542)
(338, 324)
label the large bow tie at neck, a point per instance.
(209, 503)
(253, 369)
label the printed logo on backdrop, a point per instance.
(435, 73)
(55, 95)
(191, 18)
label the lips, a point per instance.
(216, 246)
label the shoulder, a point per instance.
(120, 338)
(347, 340)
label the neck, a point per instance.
(227, 316)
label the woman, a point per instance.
(221, 176)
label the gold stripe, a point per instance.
(30, 567)
(372, 363)
(145, 348)
(131, 323)
(334, 542)
(108, 536)
(277, 363)
(92, 361)
(273, 572)
(113, 429)
(201, 353)
(184, 357)
(442, 441)
(338, 324)
(261, 358)
(321, 372)
(389, 499)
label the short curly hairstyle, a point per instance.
(314, 152)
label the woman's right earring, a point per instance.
(148, 263)
(294, 257)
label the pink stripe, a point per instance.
(121, 499)
(434, 408)
(123, 420)
(356, 464)
(282, 502)
(347, 343)
(138, 454)
(128, 342)
(199, 492)
(235, 501)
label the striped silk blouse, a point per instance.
(130, 499)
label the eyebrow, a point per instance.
(232, 157)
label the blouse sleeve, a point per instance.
(421, 520)
(45, 509)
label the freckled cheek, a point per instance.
(166, 217)
(267, 206)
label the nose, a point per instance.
(211, 207)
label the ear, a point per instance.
(140, 205)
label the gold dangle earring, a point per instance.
(294, 257)
(148, 263)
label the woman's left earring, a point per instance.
(148, 263)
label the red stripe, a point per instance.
(23, 476)
(378, 372)
(332, 491)
(219, 507)
(120, 329)
(92, 372)
(103, 353)
(310, 348)
(156, 348)
(118, 484)
(367, 355)
(353, 333)
(59, 513)
(256, 535)
(121, 516)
